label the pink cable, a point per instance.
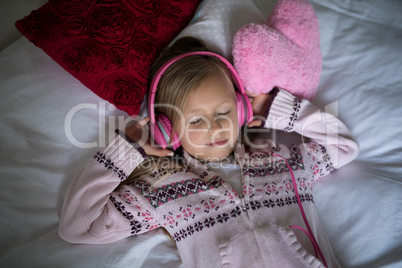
(309, 236)
(309, 233)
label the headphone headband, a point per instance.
(166, 65)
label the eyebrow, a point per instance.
(194, 111)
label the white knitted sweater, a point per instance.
(213, 225)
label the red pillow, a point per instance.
(108, 45)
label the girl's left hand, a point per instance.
(259, 103)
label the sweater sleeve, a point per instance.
(328, 142)
(92, 213)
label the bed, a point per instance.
(51, 124)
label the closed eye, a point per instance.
(225, 113)
(195, 122)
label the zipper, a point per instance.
(240, 155)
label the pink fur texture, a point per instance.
(283, 53)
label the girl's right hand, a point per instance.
(140, 133)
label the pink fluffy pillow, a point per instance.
(283, 53)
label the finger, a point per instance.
(167, 153)
(255, 123)
(144, 121)
(161, 152)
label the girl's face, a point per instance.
(209, 128)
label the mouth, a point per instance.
(218, 143)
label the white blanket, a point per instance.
(360, 205)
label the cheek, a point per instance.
(232, 125)
(235, 135)
(193, 138)
(236, 129)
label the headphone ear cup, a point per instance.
(162, 131)
(244, 109)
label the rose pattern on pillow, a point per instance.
(108, 45)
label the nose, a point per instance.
(215, 125)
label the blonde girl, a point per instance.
(269, 221)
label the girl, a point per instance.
(268, 219)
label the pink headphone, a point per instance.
(161, 126)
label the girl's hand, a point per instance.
(259, 103)
(140, 133)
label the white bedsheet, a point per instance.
(360, 205)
